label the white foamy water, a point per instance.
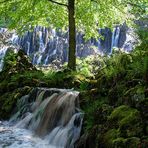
(13, 137)
(54, 115)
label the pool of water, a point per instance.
(13, 137)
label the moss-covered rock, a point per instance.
(88, 139)
(110, 136)
(128, 120)
(133, 142)
(119, 142)
(15, 63)
(8, 101)
(123, 128)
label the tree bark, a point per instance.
(72, 35)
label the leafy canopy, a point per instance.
(89, 14)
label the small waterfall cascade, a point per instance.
(7, 41)
(3, 48)
(2, 55)
(53, 115)
(115, 38)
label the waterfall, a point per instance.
(115, 38)
(53, 115)
(3, 51)
(8, 41)
(47, 45)
(3, 48)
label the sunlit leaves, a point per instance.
(89, 14)
(94, 14)
(26, 13)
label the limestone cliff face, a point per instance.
(45, 45)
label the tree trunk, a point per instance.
(72, 35)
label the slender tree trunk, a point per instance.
(72, 35)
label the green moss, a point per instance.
(8, 101)
(133, 142)
(120, 112)
(110, 136)
(119, 142)
(127, 119)
(144, 142)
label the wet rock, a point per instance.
(8, 101)
(88, 140)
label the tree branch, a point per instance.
(61, 4)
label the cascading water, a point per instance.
(51, 114)
(3, 49)
(115, 37)
(46, 45)
(2, 55)
(6, 42)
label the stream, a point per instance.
(44, 118)
(13, 137)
